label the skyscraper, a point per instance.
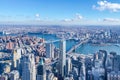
(62, 57)
(14, 75)
(83, 72)
(16, 55)
(28, 67)
(68, 66)
(49, 50)
(116, 63)
(41, 71)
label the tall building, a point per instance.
(41, 70)
(49, 50)
(110, 61)
(28, 67)
(14, 75)
(68, 66)
(83, 71)
(16, 55)
(98, 73)
(116, 63)
(62, 57)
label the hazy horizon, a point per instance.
(60, 12)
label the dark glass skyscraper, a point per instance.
(41, 72)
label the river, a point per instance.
(90, 48)
(83, 49)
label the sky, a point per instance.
(63, 12)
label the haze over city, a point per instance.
(59, 40)
(66, 12)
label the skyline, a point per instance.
(64, 12)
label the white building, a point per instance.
(49, 50)
(16, 55)
(68, 66)
(62, 57)
(28, 67)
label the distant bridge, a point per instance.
(38, 44)
(52, 41)
(70, 51)
(77, 45)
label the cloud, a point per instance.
(37, 17)
(111, 20)
(78, 16)
(67, 20)
(105, 5)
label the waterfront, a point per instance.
(47, 37)
(90, 48)
(83, 49)
(52, 37)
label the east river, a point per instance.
(82, 49)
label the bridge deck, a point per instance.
(76, 46)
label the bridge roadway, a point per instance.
(77, 45)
